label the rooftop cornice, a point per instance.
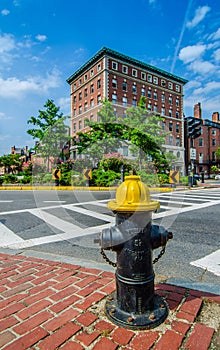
(129, 60)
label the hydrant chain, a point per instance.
(107, 259)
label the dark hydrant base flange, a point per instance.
(150, 319)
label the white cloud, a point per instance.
(202, 67)
(216, 55)
(215, 36)
(64, 103)
(200, 14)
(7, 43)
(13, 87)
(190, 53)
(41, 37)
(192, 84)
(5, 12)
(3, 116)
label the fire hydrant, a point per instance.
(134, 305)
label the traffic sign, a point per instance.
(56, 174)
(174, 177)
(87, 174)
(193, 153)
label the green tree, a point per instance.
(217, 153)
(109, 134)
(11, 163)
(50, 132)
(149, 124)
(100, 141)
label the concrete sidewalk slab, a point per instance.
(52, 305)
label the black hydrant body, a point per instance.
(134, 305)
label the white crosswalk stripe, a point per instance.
(172, 203)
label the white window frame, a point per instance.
(134, 73)
(125, 69)
(143, 75)
(114, 65)
(170, 85)
(155, 80)
(149, 78)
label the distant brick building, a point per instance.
(123, 80)
(206, 144)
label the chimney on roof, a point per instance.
(197, 111)
(215, 117)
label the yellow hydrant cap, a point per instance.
(133, 195)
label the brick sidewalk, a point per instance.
(51, 305)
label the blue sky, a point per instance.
(43, 42)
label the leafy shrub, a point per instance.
(10, 178)
(184, 180)
(105, 178)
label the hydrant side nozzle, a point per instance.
(159, 236)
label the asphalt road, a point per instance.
(64, 224)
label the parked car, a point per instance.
(217, 177)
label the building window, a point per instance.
(143, 76)
(85, 92)
(74, 127)
(99, 67)
(91, 118)
(143, 92)
(114, 65)
(155, 108)
(91, 73)
(124, 86)
(170, 126)
(125, 69)
(85, 77)
(200, 142)
(162, 111)
(213, 156)
(163, 125)
(149, 93)
(170, 140)
(92, 102)
(177, 128)
(114, 83)
(149, 78)
(177, 102)
(114, 98)
(200, 157)
(99, 84)
(124, 101)
(170, 100)
(74, 99)
(74, 112)
(99, 99)
(80, 96)
(85, 106)
(155, 80)
(177, 88)
(80, 81)
(134, 72)
(80, 109)
(170, 112)
(80, 124)
(134, 102)
(149, 106)
(155, 95)
(92, 89)
(74, 86)
(163, 83)
(134, 89)
(178, 141)
(177, 115)
(213, 142)
(163, 98)
(170, 85)
(213, 132)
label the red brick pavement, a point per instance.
(46, 305)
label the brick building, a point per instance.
(123, 80)
(206, 144)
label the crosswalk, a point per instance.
(59, 221)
